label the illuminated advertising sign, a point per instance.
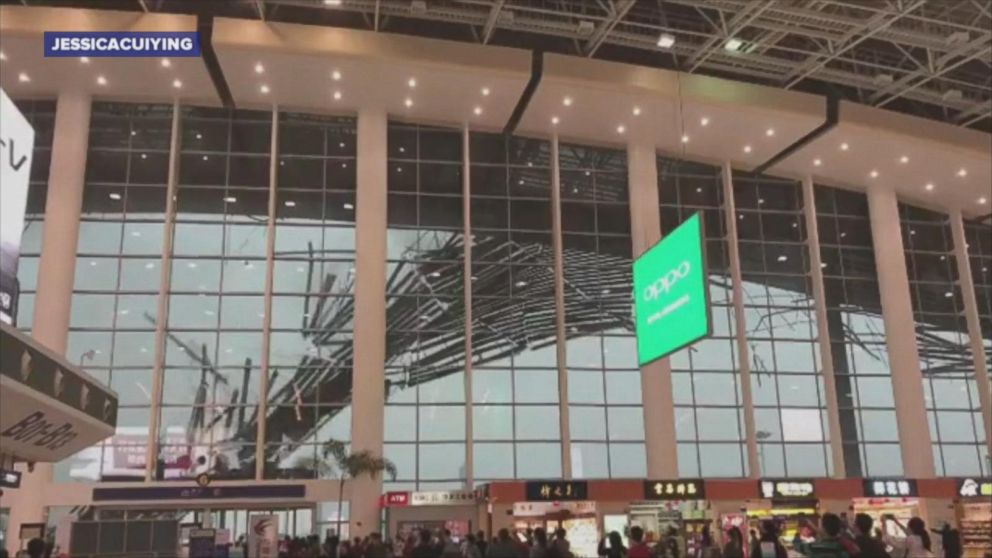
(16, 148)
(786, 489)
(891, 488)
(554, 491)
(685, 489)
(975, 488)
(671, 299)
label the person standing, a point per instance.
(828, 543)
(638, 548)
(950, 541)
(735, 544)
(768, 544)
(917, 541)
(540, 547)
(480, 541)
(870, 546)
(560, 547)
(616, 548)
(503, 546)
(471, 547)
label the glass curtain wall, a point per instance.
(790, 407)
(953, 410)
(115, 293)
(606, 421)
(869, 431)
(41, 116)
(979, 240)
(425, 308)
(705, 377)
(514, 342)
(310, 353)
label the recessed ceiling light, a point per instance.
(685, 138)
(336, 75)
(982, 201)
(264, 89)
(844, 146)
(783, 258)
(2, 55)
(144, 155)
(349, 206)
(259, 68)
(733, 44)
(554, 120)
(206, 157)
(332, 2)
(770, 132)
(485, 91)
(873, 174)
(621, 129)
(230, 199)
(412, 82)
(100, 80)
(929, 186)
(408, 102)
(747, 149)
(23, 77)
(567, 101)
(666, 40)
(341, 145)
(817, 162)
(84, 59)
(636, 110)
(114, 196)
(704, 121)
(199, 135)
(337, 95)
(904, 159)
(166, 63)
(177, 83)
(477, 111)
(289, 203)
(963, 173)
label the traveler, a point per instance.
(471, 547)
(449, 549)
(735, 544)
(950, 541)
(503, 546)
(36, 548)
(540, 547)
(768, 544)
(616, 548)
(375, 547)
(480, 541)
(829, 543)
(424, 548)
(671, 545)
(870, 547)
(917, 541)
(560, 547)
(638, 548)
(331, 544)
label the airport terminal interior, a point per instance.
(496, 278)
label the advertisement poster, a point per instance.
(16, 146)
(263, 536)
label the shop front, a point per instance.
(896, 498)
(672, 509)
(786, 501)
(974, 516)
(409, 512)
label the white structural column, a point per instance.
(162, 308)
(823, 329)
(900, 333)
(467, 286)
(368, 374)
(967, 284)
(566, 438)
(730, 215)
(656, 377)
(56, 274)
(270, 251)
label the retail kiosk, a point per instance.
(974, 516)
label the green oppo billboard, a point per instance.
(671, 296)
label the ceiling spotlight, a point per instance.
(337, 95)
(100, 80)
(412, 82)
(554, 120)
(206, 157)
(704, 121)
(230, 199)
(904, 159)
(144, 155)
(817, 162)
(666, 40)
(963, 173)
(685, 138)
(23, 77)
(199, 135)
(477, 111)
(264, 89)
(166, 63)
(114, 196)
(348, 206)
(332, 2)
(408, 102)
(844, 146)
(485, 91)
(636, 110)
(289, 203)
(747, 149)
(770, 132)
(621, 129)
(177, 83)
(567, 101)
(84, 59)
(929, 186)
(982, 201)
(733, 44)
(873, 174)
(2, 55)
(259, 68)
(336, 75)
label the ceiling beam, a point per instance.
(144, 5)
(619, 10)
(738, 22)
(260, 8)
(968, 52)
(487, 30)
(375, 19)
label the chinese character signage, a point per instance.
(446, 498)
(685, 489)
(891, 488)
(975, 488)
(552, 491)
(786, 489)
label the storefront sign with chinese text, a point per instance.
(785, 489)
(685, 489)
(891, 488)
(975, 488)
(550, 491)
(445, 498)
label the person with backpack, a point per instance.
(828, 543)
(869, 545)
(768, 545)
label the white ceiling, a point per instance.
(298, 63)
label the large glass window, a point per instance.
(979, 240)
(514, 363)
(310, 352)
(425, 308)
(956, 427)
(118, 272)
(708, 407)
(606, 422)
(789, 401)
(865, 403)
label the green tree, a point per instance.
(353, 465)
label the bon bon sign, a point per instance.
(671, 299)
